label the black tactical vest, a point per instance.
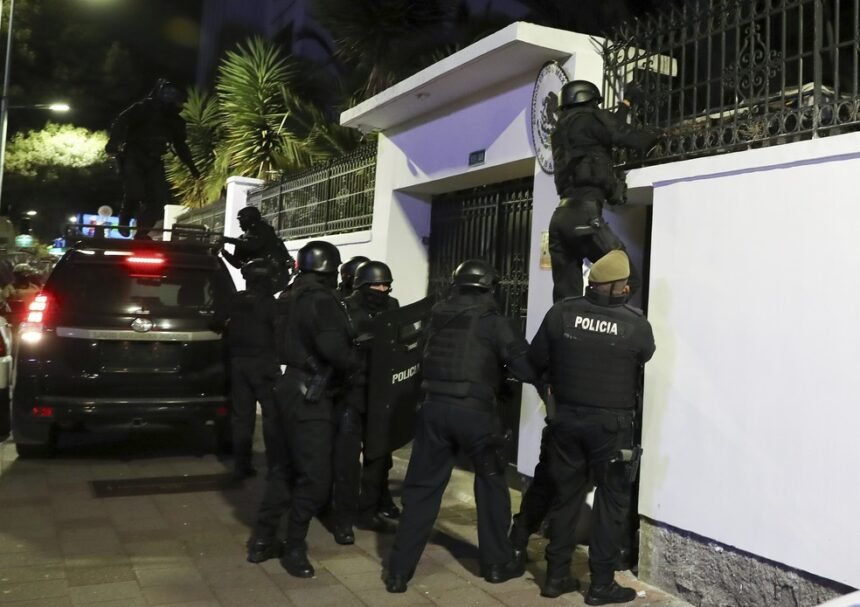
(291, 335)
(596, 360)
(250, 331)
(580, 159)
(456, 362)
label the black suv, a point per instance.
(124, 334)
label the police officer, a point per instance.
(315, 345)
(371, 297)
(347, 275)
(585, 180)
(139, 137)
(468, 346)
(593, 348)
(258, 240)
(253, 369)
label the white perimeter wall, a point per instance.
(752, 400)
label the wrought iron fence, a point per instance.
(211, 216)
(332, 198)
(722, 75)
(491, 223)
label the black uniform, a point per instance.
(594, 353)
(139, 137)
(259, 241)
(363, 306)
(253, 371)
(585, 179)
(317, 346)
(469, 344)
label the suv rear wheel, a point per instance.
(36, 450)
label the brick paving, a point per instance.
(60, 546)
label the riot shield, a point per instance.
(394, 377)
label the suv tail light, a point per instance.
(34, 323)
(145, 265)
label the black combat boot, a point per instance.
(498, 573)
(343, 533)
(295, 559)
(556, 586)
(519, 537)
(395, 583)
(608, 594)
(374, 522)
(262, 549)
(388, 508)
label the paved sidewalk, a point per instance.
(61, 546)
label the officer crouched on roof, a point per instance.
(253, 368)
(315, 344)
(585, 179)
(593, 348)
(469, 345)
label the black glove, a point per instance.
(635, 94)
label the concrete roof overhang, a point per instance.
(518, 48)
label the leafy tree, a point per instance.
(42, 153)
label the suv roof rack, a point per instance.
(181, 235)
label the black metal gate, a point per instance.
(492, 223)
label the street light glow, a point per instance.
(59, 107)
(73, 219)
(31, 213)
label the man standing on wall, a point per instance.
(585, 180)
(593, 349)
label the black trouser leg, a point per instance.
(565, 257)
(572, 486)
(385, 497)
(537, 499)
(373, 477)
(244, 410)
(310, 445)
(347, 465)
(426, 478)
(493, 502)
(611, 508)
(276, 501)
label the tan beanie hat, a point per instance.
(609, 268)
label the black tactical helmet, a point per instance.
(168, 93)
(249, 213)
(475, 273)
(319, 256)
(256, 270)
(372, 273)
(579, 92)
(347, 270)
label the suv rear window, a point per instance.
(112, 288)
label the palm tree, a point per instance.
(252, 85)
(203, 123)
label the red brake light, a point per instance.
(43, 411)
(145, 260)
(37, 309)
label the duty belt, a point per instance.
(570, 202)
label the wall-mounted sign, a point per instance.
(545, 259)
(476, 158)
(545, 102)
